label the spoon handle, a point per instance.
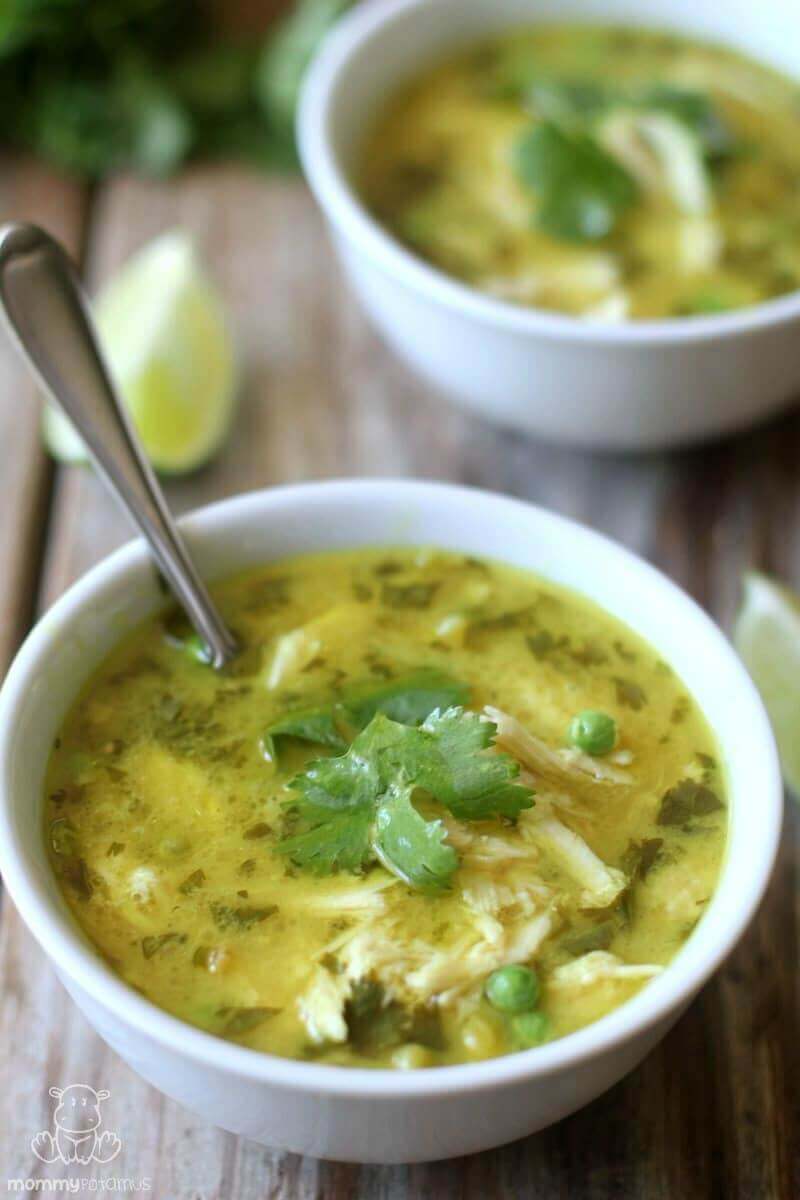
(47, 312)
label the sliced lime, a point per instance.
(767, 636)
(165, 336)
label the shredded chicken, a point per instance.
(662, 155)
(446, 973)
(506, 924)
(600, 884)
(295, 650)
(365, 897)
(484, 850)
(542, 759)
(321, 1006)
(599, 965)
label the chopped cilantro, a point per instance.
(241, 916)
(582, 190)
(686, 800)
(243, 1020)
(629, 694)
(259, 830)
(640, 858)
(596, 937)
(155, 942)
(76, 873)
(374, 1022)
(357, 806)
(408, 595)
(192, 882)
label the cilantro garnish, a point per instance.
(579, 103)
(409, 700)
(410, 846)
(354, 808)
(582, 191)
(332, 840)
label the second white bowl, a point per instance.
(638, 386)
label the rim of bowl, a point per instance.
(62, 940)
(324, 82)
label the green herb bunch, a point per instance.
(96, 86)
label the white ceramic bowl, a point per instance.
(630, 386)
(358, 1114)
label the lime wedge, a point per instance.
(767, 636)
(166, 340)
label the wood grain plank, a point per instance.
(27, 192)
(714, 1111)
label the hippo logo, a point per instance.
(76, 1136)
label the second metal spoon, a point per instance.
(47, 312)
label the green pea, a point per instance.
(196, 648)
(512, 989)
(593, 732)
(529, 1029)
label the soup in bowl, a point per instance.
(615, 173)
(450, 822)
(572, 216)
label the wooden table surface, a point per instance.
(715, 1110)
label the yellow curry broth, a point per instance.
(438, 170)
(164, 810)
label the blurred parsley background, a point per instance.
(96, 86)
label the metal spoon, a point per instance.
(48, 315)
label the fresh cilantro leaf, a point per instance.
(450, 765)
(343, 784)
(310, 725)
(337, 841)
(582, 191)
(408, 700)
(409, 846)
(357, 806)
(443, 757)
